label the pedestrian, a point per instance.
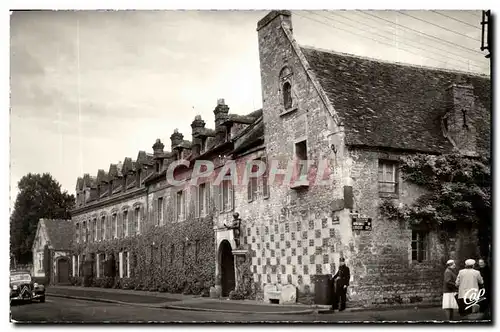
(486, 275)
(340, 284)
(450, 289)
(468, 281)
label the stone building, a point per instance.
(351, 118)
(52, 249)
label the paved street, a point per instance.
(70, 310)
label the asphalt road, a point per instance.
(78, 311)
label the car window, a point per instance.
(19, 277)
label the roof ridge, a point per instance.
(395, 62)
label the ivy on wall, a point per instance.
(177, 257)
(458, 192)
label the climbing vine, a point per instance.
(458, 191)
(177, 257)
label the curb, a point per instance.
(388, 308)
(185, 308)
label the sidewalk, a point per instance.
(197, 303)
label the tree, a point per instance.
(458, 193)
(39, 196)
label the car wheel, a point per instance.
(42, 299)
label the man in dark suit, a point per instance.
(340, 284)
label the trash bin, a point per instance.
(322, 289)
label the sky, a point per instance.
(89, 88)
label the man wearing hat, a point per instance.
(468, 281)
(340, 284)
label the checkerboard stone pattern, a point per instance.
(291, 251)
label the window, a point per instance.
(160, 211)
(287, 95)
(252, 186)
(125, 265)
(419, 243)
(387, 176)
(137, 220)
(125, 223)
(100, 267)
(84, 231)
(180, 205)
(265, 182)
(202, 200)
(103, 227)
(77, 233)
(226, 196)
(301, 156)
(110, 187)
(157, 167)
(94, 230)
(98, 191)
(114, 226)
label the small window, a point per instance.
(160, 211)
(301, 156)
(287, 95)
(387, 176)
(137, 223)
(180, 204)
(419, 246)
(94, 230)
(253, 184)
(125, 223)
(110, 187)
(226, 196)
(201, 200)
(157, 167)
(265, 181)
(103, 228)
(114, 226)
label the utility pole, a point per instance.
(486, 39)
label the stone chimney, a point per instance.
(158, 147)
(176, 138)
(458, 122)
(276, 16)
(221, 112)
(196, 126)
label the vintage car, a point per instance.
(22, 287)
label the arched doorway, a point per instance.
(63, 271)
(226, 268)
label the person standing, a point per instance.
(340, 284)
(468, 281)
(486, 275)
(450, 289)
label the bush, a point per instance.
(236, 295)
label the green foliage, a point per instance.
(39, 196)
(188, 269)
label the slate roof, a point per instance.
(59, 232)
(384, 104)
(249, 137)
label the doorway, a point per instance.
(226, 260)
(63, 271)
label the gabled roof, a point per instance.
(142, 158)
(250, 137)
(59, 232)
(384, 104)
(127, 165)
(101, 176)
(79, 184)
(113, 171)
(205, 132)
